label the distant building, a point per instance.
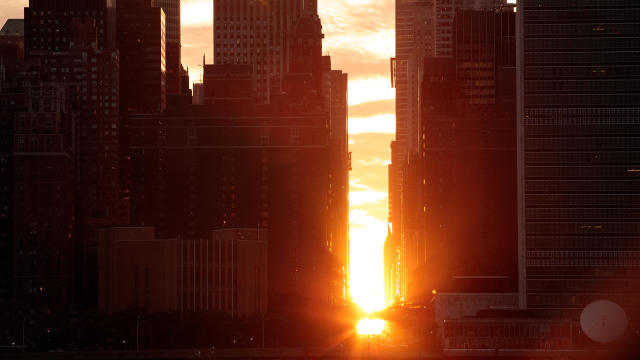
(231, 84)
(227, 272)
(579, 156)
(12, 39)
(255, 33)
(48, 23)
(171, 9)
(340, 165)
(198, 94)
(137, 271)
(143, 54)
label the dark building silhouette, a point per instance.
(225, 272)
(89, 75)
(42, 186)
(48, 23)
(236, 163)
(12, 39)
(460, 225)
(12, 99)
(141, 42)
(269, 169)
(137, 271)
(578, 155)
(228, 84)
(339, 167)
(424, 28)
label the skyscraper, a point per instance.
(142, 46)
(468, 179)
(255, 33)
(423, 28)
(171, 9)
(579, 155)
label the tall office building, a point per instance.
(142, 46)
(423, 28)
(255, 33)
(466, 216)
(171, 9)
(579, 155)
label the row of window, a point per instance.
(581, 15)
(583, 242)
(564, 58)
(577, 228)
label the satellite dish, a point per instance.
(603, 321)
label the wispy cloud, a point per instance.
(375, 161)
(366, 89)
(372, 108)
(384, 123)
(359, 198)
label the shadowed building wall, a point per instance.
(137, 271)
(579, 155)
(227, 272)
(468, 166)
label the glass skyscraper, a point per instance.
(579, 153)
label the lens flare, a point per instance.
(370, 327)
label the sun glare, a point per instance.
(367, 266)
(369, 327)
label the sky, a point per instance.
(359, 36)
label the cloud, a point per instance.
(359, 198)
(372, 108)
(375, 161)
(384, 123)
(368, 89)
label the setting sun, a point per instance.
(369, 327)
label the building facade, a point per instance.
(48, 23)
(227, 272)
(469, 183)
(424, 28)
(137, 271)
(171, 9)
(272, 170)
(255, 33)
(578, 155)
(142, 45)
(90, 77)
(12, 39)
(43, 200)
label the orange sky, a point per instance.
(359, 36)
